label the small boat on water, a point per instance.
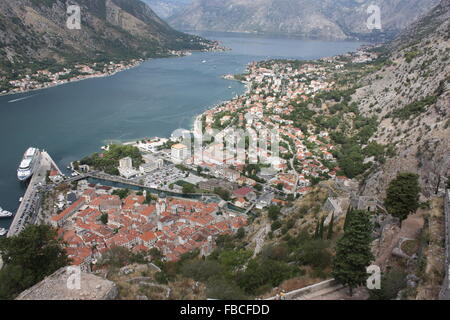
(106, 147)
(5, 214)
(3, 231)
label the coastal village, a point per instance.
(97, 219)
(45, 78)
(54, 76)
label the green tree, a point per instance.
(240, 234)
(225, 241)
(104, 218)
(274, 212)
(402, 196)
(330, 228)
(188, 188)
(276, 225)
(314, 253)
(233, 259)
(118, 257)
(262, 274)
(28, 258)
(200, 270)
(108, 161)
(161, 278)
(149, 198)
(321, 227)
(351, 160)
(252, 170)
(224, 194)
(353, 251)
(317, 230)
(348, 217)
(122, 193)
(219, 288)
(391, 283)
(155, 253)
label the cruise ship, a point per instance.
(28, 164)
(5, 214)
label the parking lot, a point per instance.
(163, 177)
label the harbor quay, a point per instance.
(31, 202)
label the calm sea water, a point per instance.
(153, 99)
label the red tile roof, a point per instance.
(69, 210)
(148, 236)
(242, 192)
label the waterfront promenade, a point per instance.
(31, 203)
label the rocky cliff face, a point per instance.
(411, 97)
(167, 8)
(331, 19)
(34, 31)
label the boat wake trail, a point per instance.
(20, 99)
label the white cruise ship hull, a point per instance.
(27, 165)
(24, 176)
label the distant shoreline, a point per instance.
(74, 80)
(105, 75)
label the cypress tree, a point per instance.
(321, 227)
(348, 217)
(330, 227)
(353, 251)
(316, 233)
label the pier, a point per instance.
(31, 203)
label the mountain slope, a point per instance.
(35, 32)
(410, 95)
(167, 8)
(332, 19)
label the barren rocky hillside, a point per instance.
(411, 98)
(167, 8)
